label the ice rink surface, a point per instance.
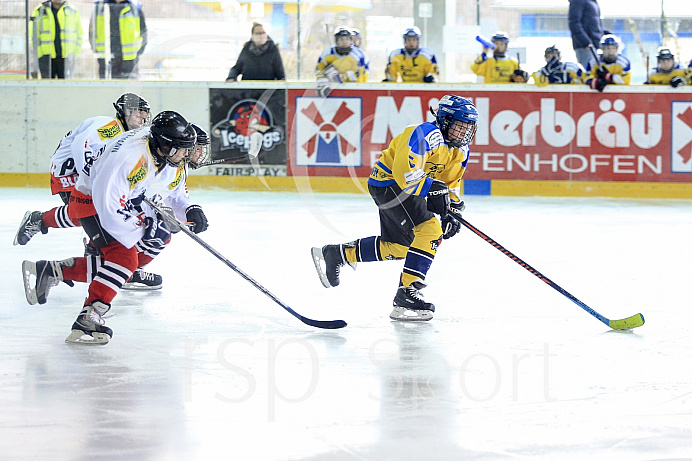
(209, 368)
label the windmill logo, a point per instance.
(328, 132)
(681, 139)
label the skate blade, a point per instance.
(140, 287)
(29, 269)
(24, 219)
(403, 314)
(318, 259)
(80, 337)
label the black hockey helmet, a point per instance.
(126, 104)
(343, 31)
(202, 154)
(663, 52)
(169, 133)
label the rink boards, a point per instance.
(558, 141)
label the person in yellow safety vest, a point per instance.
(55, 32)
(119, 50)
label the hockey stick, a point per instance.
(253, 151)
(628, 323)
(595, 56)
(326, 324)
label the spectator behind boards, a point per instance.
(118, 36)
(412, 63)
(586, 28)
(669, 72)
(610, 68)
(556, 71)
(58, 38)
(259, 59)
(499, 68)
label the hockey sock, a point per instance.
(118, 265)
(58, 218)
(77, 272)
(374, 249)
(422, 251)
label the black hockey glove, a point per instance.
(677, 81)
(429, 78)
(195, 215)
(156, 234)
(598, 84)
(553, 65)
(169, 218)
(519, 76)
(438, 198)
(451, 224)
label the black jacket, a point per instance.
(259, 63)
(585, 23)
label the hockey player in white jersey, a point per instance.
(75, 153)
(128, 234)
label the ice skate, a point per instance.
(46, 274)
(333, 257)
(32, 224)
(409, 305)
(90, 328)
(143, 281)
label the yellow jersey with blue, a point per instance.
(351, 67)
(620, 69)
(416, 157)
(495, 69)
(660, 77)
(412, 67)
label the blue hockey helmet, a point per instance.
(454, 108)
(412, 32)
(609, 39)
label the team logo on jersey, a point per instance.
(328, 131)
(138, 173)
(178, 178)
(245, 118)
(109, 130)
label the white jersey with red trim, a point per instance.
(124, 171)
(79, 148)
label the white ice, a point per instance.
(210, 368)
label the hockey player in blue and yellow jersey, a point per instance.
(498, 68)
(412, 64)
(417, 177)
(341, 63)
(610, 68)
(669, 72)
(556, 71)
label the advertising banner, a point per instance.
(235, 114)
(550, 136)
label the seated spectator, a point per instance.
(498, 68)
(259, 59)
(412, 64)
(340, 63)
(556, 71)
(669, 72)
(611, 66)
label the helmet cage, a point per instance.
(202, 154)
(126, 104)
(453, 109)
(343, 32)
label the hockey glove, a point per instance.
(156, 235)
(429, 78)
(196, 216)
(553, 65)
(519, 76)
(598, 84)
(451, 224)
(172, 224)
(323, 89)
(677, 81)
(438, 198)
